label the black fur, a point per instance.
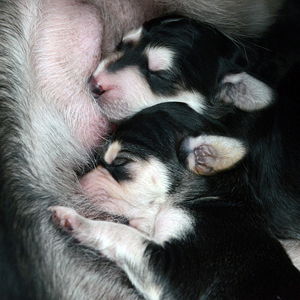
(203, 57)
(50, 267)
(231, 254)
(274, 162)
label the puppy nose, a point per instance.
(95, 87)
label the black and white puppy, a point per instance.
(177, 59)
(180, 60)
(192, 236)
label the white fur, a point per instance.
(56, 47)
(172, 222)
(293, 249)
(234, 18)
(112, 152)
(125, 245)
(139, 199)
(127, 92)
(102, 67)
(193, 99)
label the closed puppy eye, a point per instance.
(157, 74)
(121, 161)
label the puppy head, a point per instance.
(137, 176)
(145, 71)
(137, 162)
(144, 156)
(175, 59)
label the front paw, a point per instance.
(83, 230)
(65, 218)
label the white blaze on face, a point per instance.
(126, 92)
(147, 187)
(150, 181)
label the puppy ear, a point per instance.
(209, 154)
(246, 92)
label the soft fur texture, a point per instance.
(156, 64)
(245, 106)
(211, 74)
(50, 125)
(199, 236)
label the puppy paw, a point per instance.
(65, 218)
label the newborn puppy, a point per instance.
(177, 59)
(192, 235)
(180, 60)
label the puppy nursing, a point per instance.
(178, 60)
(228, 80)
(191, 235)
(187, 239)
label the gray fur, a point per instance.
(234, 18)
(37, 161)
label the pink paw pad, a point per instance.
(62, 219)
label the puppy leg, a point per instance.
(123, 244)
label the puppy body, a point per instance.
(267, 183)
(198, 236)
(226, 80)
